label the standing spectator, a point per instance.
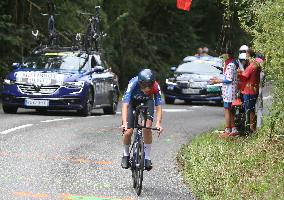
(243, 49)
(205, 51)
(229, 88)
(199, 52)
(251, 78)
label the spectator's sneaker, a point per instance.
(234, 132)
(148, 164)
(226, 133)
(125, 162)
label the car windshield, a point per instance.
(203, 68)
(70, 63)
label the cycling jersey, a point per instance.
(133, 89)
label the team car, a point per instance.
(190, 81)
(61, 80)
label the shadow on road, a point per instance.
(55, 113)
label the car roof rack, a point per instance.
(58, 49)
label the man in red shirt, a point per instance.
(251, 78)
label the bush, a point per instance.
(264, 21)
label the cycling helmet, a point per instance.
(244, 48)
(146, 78)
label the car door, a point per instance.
(98, 82)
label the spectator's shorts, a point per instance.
(227, 105)
(131, 108)
(249, 102)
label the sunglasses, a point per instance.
(243, 51)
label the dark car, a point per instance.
(190, 81)
(65, 80)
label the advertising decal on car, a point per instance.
(39, 78)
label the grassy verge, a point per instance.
(243, 168)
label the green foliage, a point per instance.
(140, 33)
(243, 168)
(264, 21)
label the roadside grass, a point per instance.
(234, 168)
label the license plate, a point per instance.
(190, 91)
(36, 102)
(213, 89)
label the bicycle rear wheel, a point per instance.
(139, 167)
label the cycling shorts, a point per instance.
(131, 108)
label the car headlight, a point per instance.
(170, 81)
(78, 84)
(8, 82)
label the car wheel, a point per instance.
(111, 110)
(10, 109)
(169, 100)
(88, 105)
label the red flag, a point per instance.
(184, 4)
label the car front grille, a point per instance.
(33, 89)
(183, 84)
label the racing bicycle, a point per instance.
(92, 34)
(137, 157)
(242, 117)
(52, 33)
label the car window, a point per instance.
(46, 62)
(198, 68)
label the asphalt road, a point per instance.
(62, 156)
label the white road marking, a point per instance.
(55, 120)
(16, 128)
(176, 110)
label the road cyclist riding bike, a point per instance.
(139, 87)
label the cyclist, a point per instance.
(139, 87)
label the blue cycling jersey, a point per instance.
(133, 89)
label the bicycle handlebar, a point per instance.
(153, 129)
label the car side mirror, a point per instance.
(16, 65)
(173, 69)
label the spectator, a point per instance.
(205, 51)
(199, 52)
(251, 79)
(243, 49)
(229, 88)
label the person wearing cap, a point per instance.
(229, 88)
(251, 79)
(243, 49)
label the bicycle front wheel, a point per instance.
(139, 167)
(88, 40)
